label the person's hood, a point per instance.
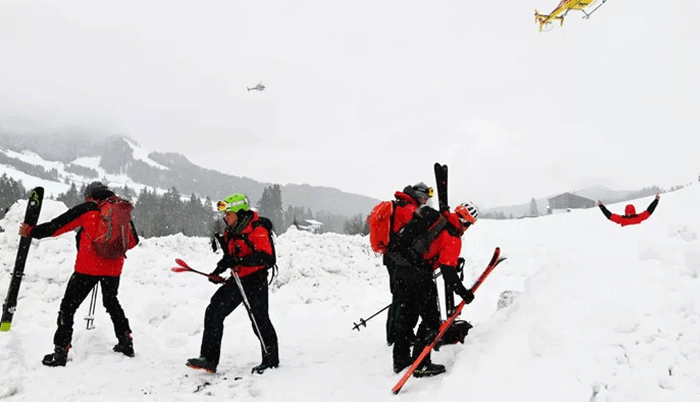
(454, 220)
(629, 210)
(402, 196)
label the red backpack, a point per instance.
(379, 221)
(112, 239)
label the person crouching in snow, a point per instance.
(631, 217)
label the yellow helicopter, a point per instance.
(563, 9)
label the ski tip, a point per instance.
(5, 326)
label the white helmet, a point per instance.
(467, 212)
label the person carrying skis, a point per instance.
(90, 268)
(631, 217)
(249, 253)
(406, 204)
(417, 293)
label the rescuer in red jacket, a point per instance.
(405, 205)
(415, 290)
(90, 268)
(631, 217)
(249, 252)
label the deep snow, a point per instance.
(603, 313)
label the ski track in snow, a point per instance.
(600, 313)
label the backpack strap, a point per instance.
(393, 236)
(258, 257)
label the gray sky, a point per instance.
(366, 95)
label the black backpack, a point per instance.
(415, 237)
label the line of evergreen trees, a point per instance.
(10, 191)
(165, 214)
(157, 215)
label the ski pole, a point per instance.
(363, 322)
(183, 267)
(91, 311)
(250, 311)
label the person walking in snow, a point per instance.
(405, 205)
(631, 217)
(249, 253)
(90, 268)
(416, 291)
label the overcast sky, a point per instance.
(365, 96)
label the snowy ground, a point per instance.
(604, 313)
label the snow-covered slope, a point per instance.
(53, 188)
(604, 313)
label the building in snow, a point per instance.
(309, 225)
(568, 201)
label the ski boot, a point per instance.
(125, 345)
(57, 358)
(201, 362)
(428, 370)
(267, 362)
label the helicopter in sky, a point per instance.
(258, 87)
(563, 9)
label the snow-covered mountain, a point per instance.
(54, 161)
(603, 313)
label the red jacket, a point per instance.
(447, 246)
(250, 250)
(404, 210)
(85, 217)
(630, 217)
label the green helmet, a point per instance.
(234, 203)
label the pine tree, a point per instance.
(10, 191)
(71, 197)
(533, 207)
(354, 225)
(270, 206)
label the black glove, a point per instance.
(221, 266)
(215, 278)
(466, 294)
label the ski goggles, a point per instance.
(427, 192)
(223, 205)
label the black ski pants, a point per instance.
(415, 295)
(224, 301)
(79, 286)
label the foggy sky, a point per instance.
(365, 96)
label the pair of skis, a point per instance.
(441, 180)
(31, 216)
(495, 260)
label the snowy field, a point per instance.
(604, 313)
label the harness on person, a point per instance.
(261, 221)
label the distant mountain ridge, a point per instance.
(162, 170)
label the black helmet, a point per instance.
(423, 191)
(419, 192)
(97, 191)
